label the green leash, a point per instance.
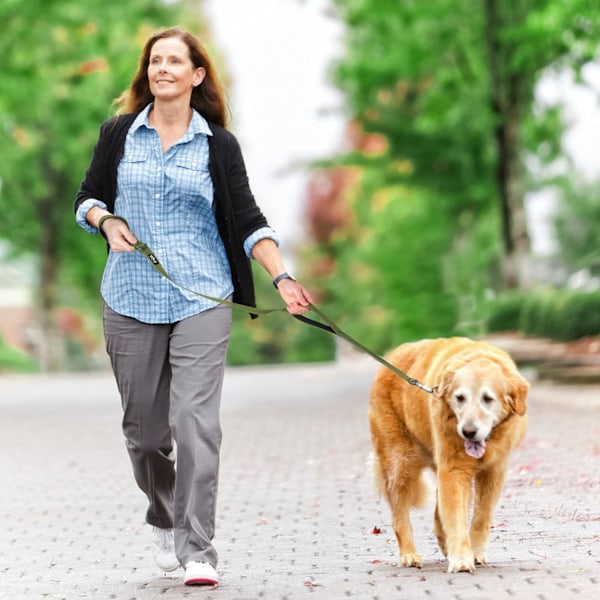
(327, 325)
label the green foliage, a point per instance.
(416, 73)
(426, 239)
(14, 361)
(376, 294)
(540, 312)
(559, 314)
(504, 313)
(577, 224)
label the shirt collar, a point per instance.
(198, 123)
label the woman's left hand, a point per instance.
(295, 296)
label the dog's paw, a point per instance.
(411, 560)
(481, 557)
(461, 564)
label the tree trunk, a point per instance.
(507, 98)
(50, 341)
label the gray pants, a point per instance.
(170, 380)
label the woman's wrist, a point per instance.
(282, 277)
(94, 215)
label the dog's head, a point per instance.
(481, 392)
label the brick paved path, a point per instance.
(297, 509)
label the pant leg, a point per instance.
(197, 355)
(139, 356)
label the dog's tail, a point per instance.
(419, 491)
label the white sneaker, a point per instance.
(164, 549)
(200, 573)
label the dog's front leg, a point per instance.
(454, 497)
(488, 485)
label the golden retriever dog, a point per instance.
(465, 432)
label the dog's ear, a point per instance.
(517, 395)
(442, 388)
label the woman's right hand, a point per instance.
(119, 238)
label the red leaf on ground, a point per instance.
(376, 531)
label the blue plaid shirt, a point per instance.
(168, 201)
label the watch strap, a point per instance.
(281, 277)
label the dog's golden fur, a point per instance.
(464, 431)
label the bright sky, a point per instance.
(278, 54)
(581, 141)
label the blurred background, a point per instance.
(433, 168)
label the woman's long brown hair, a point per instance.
(207, 98)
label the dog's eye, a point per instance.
(487, 399)
(460, 398)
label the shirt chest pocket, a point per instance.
(135, 170)
(193, 178)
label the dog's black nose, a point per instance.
(469, 432)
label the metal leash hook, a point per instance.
(424, 387)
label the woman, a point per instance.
(166, 171)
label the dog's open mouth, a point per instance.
(475, 449)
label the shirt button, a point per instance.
(158, 223)
(157, 195)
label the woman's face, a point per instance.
(171, 73)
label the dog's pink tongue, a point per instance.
(475, 449)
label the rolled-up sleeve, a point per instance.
(260, 234)
(82, 211)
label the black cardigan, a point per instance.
(236, 211)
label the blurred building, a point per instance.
(77, 348)
(17, 277)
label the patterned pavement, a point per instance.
(297, 511)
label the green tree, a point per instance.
(64, 63)
(577, 225)
(448, 88)
(451, 86)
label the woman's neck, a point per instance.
(170, 114)
(171, 121)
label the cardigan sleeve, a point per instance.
(92, 186)
(237, 213)
(247, 214)
(100, 180)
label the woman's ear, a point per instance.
(199, 76)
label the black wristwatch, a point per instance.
(281, 277)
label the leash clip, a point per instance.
(422, 386)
